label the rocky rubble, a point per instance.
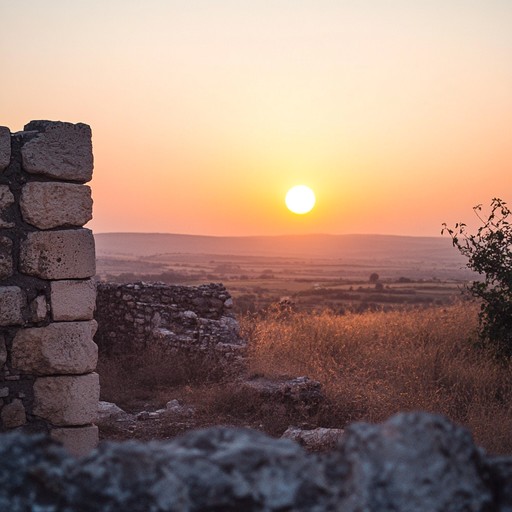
(300, 394)
(316, 439)
(412, 462)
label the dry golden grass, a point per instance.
(376, 364)
(133, 380)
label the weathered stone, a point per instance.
(300, 395)
(11, 305)
(13, 415)
(78, 441)
(6, 266)
(191, 320)
(59, 254)
(175, 407)
(22, 457)
(73, 300)
(108, 410)
(413, 461)
(5, 147)
(60, 150)
(4, 392)
(242, 470)
(39, 308)
(48, 205)
(59, 348)
(501, 475)
(317, 439)
(67, 400)
(6, 200)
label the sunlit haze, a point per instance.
(204, 114)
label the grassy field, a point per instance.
(255, 282)
(375, 364)
(370, 365)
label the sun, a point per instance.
(300, 199)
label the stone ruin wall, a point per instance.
(194, 319)
(47, 296)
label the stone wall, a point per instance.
(47, 297)
(132, 317)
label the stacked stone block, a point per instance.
(47, 296)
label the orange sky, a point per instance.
(204, 113)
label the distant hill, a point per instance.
(346, 247)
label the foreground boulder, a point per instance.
(413, 462)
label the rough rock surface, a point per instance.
(63, 348)
(60, 150)
(413, 462)
(108, 410)
(300, 394)
(48, 205)
(11, 304)
(67, 400)
(191, 319)
(13, 414)
(317, 439)
(66, 254)
(73, 300)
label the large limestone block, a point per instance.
(6, 200)
(62, 254)
(48, 205)
(59, 348)
(67, 400)
(5, 147)
(11, 305)
(13, 415)
(61, 150)
(5, 257)
(78, 441)
(73, 300)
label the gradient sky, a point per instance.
(398, 113)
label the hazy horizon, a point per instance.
(316, 246)
(277, 235)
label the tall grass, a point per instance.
(376, 364)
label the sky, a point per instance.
(397, 113)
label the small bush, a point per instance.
(489, 253)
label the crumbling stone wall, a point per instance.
(47, 297)
(197, 319)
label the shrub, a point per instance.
(489, 253)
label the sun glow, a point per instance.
(300, 199)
